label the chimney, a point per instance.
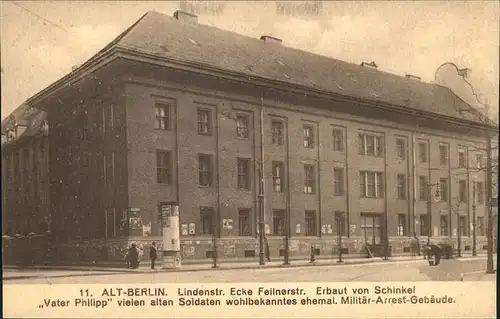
(268, 38)
(74, 67)
(372, 64)
(185, 16)
(414, 77)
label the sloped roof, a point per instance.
(31, 117)
(163, 36)
(166, 37)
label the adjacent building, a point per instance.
(25, 174)
(170, 112)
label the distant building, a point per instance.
(25, 173)
(169, 112)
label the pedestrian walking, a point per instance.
(153, 255)
(133, 256)
(267, 249)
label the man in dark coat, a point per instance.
(133, 257)
(153, 255)
(436, 251)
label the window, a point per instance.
(401, 148)
(462, 191)
(83, 132)
(204, 121)
(443, 189)
(26, 159)
(338, 181)
(401, 186)
(112, 116)
(244, 222)
(462, 226)
(444, 225)
(370, 227)
(370, 145)
(207, 220)
(424, 225)
(243, 173)
(205, 169)
(105, 169)
(242, 126)
(461, 158)
(479, 161)
(308, 136)
(109, 168)
(340, 224)
(278, 223)
(103, 119)
(480, 226)
(423, 191)
(110, 221)
(278, 176)
(371, 184)
(443, 154)
(311, 224)
(338, 140)
(479, 187)
(277, 132)
(162, 121)
(422, 151)
(402, 226)
(163, 167)
(309, 180)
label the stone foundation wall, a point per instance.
(237, 248)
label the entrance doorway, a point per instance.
(371, 228)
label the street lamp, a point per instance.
(340, 228)
(286, 260)
(474, 217)
(214, 243)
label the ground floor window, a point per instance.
(444, 225)
(371, 227)
(424, 225)
(402, 225)
(278, 223)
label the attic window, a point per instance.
(286, 76)
(193, 41)
(312, 82)
(340, 87)
(375, 94)
(280, 63)
(353, 79)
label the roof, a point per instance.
(31, 117)
(165, 37)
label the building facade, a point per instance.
(135, 130)
(25, 174)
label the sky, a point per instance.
(41, 46)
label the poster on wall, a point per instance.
(329, 229)
(146, 229)
(267, 229)
(192, 229)
(135, 223)
(323, 229)
(184, 229)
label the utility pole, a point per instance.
(474, 217)
(262, 184)
(489, 184)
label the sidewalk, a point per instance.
(12, 272)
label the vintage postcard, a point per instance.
(249, 159)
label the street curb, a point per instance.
(107, 271)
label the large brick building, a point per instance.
(170, 112)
